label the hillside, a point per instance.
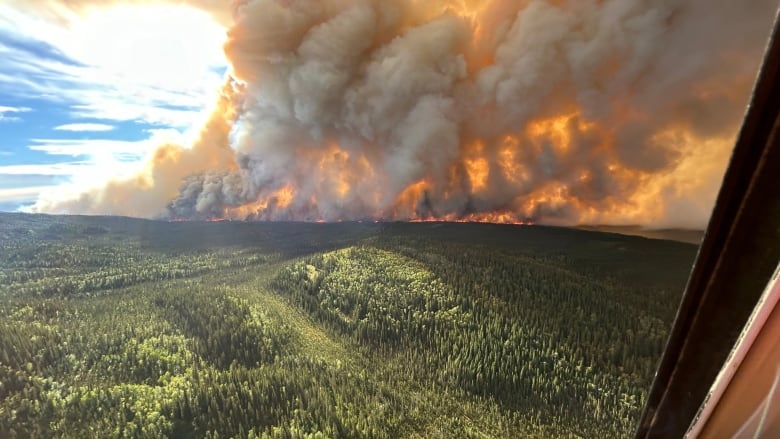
(682, 235)
(117, 327)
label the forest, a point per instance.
(119, 327)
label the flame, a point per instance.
(477, 166)
(284, 196)
(557, 131)
(279, 199)
(333, 166)
(497, 217)
(460, 110)
(408, 200)
(468, 8)
(342, 174)
(508, 161)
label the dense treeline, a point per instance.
(539, 338)
(84, 268)
(292, 398)
(126, 328)
(223, 329)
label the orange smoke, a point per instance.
(613, 112)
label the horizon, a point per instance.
(688, 236)
(365, 220)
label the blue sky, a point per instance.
(85, 96)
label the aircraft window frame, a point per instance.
(737, 257)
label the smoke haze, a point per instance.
(564, 112)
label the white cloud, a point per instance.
(97, 62)
(23, 194)
(81, 147)
(84, 127)
(153, 63)
(58, 169)
(5, 109)
(107, 108)
(107, 147)
(100, 160)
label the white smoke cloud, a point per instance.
(567, 112)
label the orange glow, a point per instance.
(284, 196)
(554, 129)
(279, 199)
(465, 8)
(477, 167)
(443, 110)
(497, 217)
(246, 210)
(511, 169)
(558, 130)
(338, 172)
(342, 176)
(409, 198)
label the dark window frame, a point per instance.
(737, 257)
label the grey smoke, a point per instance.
(377, 96)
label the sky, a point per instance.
(87, 93)
(612, 112)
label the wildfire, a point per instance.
(278, 199)
(477, 166)
(284, 196)
(409, 199)
(501, 217)
(461, 110)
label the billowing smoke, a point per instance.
(581, 111)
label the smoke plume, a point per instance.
(586, 111)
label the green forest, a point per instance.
(119, 327)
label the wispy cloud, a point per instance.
(95, 65)
(57, 169)
(23, 194)
(101, 67)
(91, 160)
(84, 127)
(122, 149)
(98, 150)
(5, 109)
